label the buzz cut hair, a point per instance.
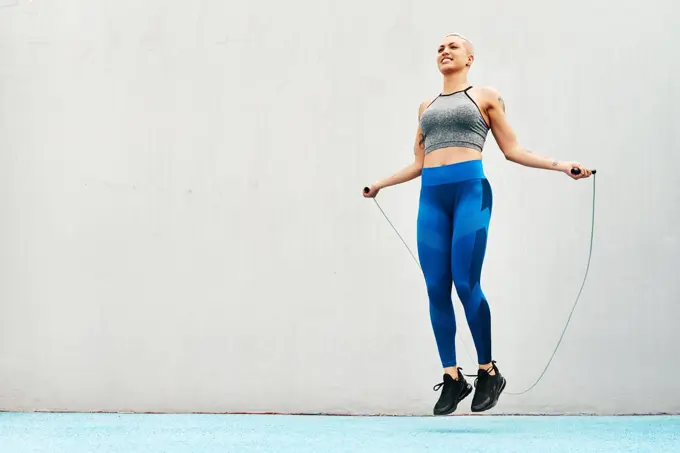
(459, 35)
(470, 46)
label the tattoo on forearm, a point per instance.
(500, 99)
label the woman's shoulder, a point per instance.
(486, 91)
(488, 97)
(425, 104)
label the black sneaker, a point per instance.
(488, 389)
(455, 390)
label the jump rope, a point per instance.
(574, 171)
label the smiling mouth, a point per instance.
(446, 60)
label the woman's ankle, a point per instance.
(488, 367)
(452, 371)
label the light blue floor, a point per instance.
(79, 433)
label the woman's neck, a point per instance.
(455, 82)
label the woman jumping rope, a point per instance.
(454, 212)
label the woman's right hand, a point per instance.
(371, 192)
(567, 167)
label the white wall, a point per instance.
(183, 230)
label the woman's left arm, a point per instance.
(509, 145)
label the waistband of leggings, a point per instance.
(446, 174)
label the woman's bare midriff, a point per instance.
(448, 156)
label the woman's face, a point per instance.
(453, 54)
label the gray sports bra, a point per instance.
(453, 120)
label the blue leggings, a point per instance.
(453, 221)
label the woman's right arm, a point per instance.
(409, 172)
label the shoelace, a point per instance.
(438, 386)
(484, 375)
